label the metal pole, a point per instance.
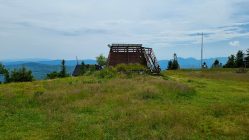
(77, 61)
(202, 50)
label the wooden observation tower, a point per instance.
(133, 54)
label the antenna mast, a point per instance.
(77, 60)
(201, 49)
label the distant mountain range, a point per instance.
(45, 62)
(41, 67)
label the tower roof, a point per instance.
(125, 45)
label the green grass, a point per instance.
(178, 105)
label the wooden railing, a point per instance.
(151, 59)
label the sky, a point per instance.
(64, 29)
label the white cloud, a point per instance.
(234, 43)
(89, 24)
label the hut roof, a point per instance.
(77, 70)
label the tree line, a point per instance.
(240, 60)
(17, 75)
(25, 75)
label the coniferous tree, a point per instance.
(247, 58)
(169, 65)
(216, 64)
(239, 61)
(173, 64)
(21, 75)
(5, 72)
(63, 72)
(247, 55)
(230, 62)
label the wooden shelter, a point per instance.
(133, 54)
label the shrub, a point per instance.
(21, 75)
(130, 68)
(53, 75)
(101, 60)
(89, 69)
(106, 73)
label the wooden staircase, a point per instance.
(151, 59)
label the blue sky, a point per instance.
(56, 29)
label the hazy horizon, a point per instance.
(91, 59)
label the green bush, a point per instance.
(106, 73)
(130, 68)
(21, 75)
(53, 75)
(88, 69)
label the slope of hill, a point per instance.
(178, 105)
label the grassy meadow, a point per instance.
(186, 104)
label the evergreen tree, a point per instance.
(21, 75)
(230, 62)
(216, 64)
(5, 72)
(2, 69)
(247, 55)
(247, 58)
(173, 64)
(169, 65)
(239, 61)
(63, 72)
